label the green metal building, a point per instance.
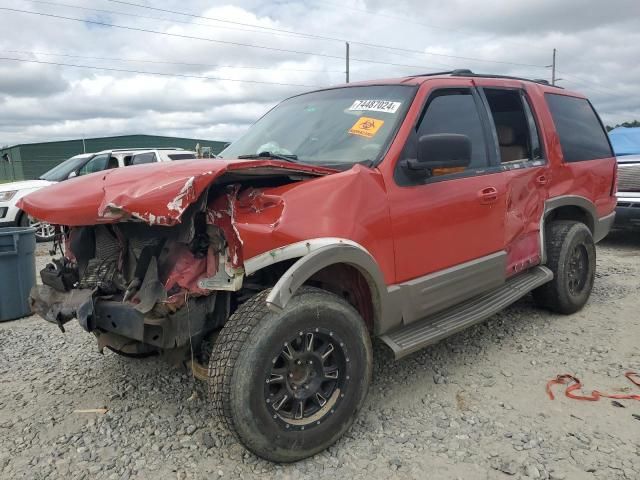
(30, 160)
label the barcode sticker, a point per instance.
(375, 106)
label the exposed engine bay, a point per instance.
(144, 288)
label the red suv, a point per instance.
(403, 209)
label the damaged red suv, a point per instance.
(403, 209)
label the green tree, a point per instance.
(632, 124)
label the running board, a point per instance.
(434, 328)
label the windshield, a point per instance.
(339, 126)
(61, 172)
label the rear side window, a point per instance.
(141, 158)
(582, 136)
(181, 156)
(516, 130)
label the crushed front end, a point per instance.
(144, 288)
(152, 256)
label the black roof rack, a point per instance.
(469, 73)
(460, 72)
(432, 74)
(465, 72)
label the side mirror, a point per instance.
(73, 174)
(440, 151)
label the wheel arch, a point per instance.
(575, 208)
(570, 207)
(338, 265)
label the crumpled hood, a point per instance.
(156, 193)
(24, 185)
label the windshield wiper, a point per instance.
(286, 158)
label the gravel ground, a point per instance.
(471, 407)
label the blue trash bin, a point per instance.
(17, 271)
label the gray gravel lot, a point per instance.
(471, 407)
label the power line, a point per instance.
(206, 39)
(588, 85)
(252, 25)
(341, 40)
(176, 35)
(171, 20)
(162, 74)
(162, 62)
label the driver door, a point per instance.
(449, 227)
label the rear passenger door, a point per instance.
(525, 173)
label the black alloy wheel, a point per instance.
(307, 379)
(577, 269)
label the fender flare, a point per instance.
(572, 201)
(347, 253)
(600, 226)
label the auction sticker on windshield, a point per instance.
(375, 106)
(366, 127)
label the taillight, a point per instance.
(614, 185)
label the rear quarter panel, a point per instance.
(591, 179)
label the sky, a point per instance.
(183, 68)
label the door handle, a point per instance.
(488, 195)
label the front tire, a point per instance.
(289, 384)
(571, 256)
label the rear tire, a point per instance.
(571, 256)
(289, 384)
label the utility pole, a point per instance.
(553, 68)
(347, 61)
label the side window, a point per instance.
(141, 158)
(181, 156)
(582, 136)
(455, 111)
(536, 145)
(516, 130)
(96, 164)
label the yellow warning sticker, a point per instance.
(366, 127)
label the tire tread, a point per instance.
(226, 351)
(549, 295)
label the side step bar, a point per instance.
(421, 333)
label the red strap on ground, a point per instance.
(575, 384)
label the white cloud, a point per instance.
(598, 46)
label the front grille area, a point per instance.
(629, 177)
